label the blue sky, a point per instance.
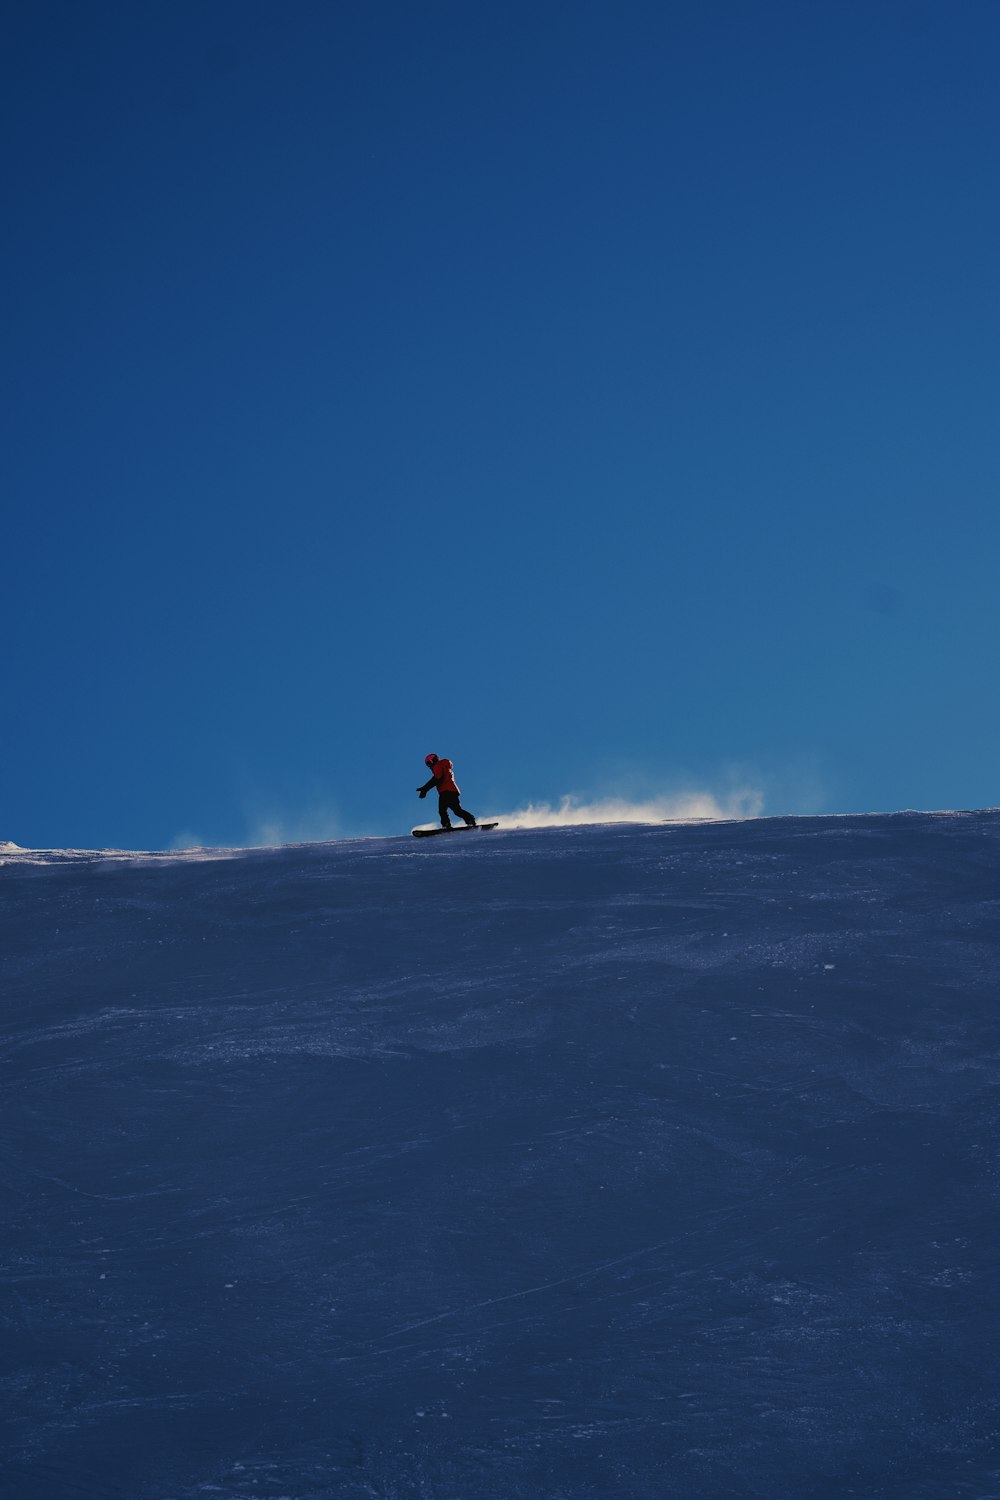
(602, 395)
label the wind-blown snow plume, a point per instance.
(746, 802)
(273, 829)
(315, 825)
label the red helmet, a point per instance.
(430, 760)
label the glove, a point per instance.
(422, 792)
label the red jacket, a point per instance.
(443, 776)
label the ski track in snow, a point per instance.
(591, 1162)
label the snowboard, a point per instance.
(428, 833)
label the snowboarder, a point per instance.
(448, 794)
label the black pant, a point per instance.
(448, 802)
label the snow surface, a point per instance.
(600, 1162)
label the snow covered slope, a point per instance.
(568, 1164)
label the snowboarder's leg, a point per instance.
(444, 806)
(468, 818)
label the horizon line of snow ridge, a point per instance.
(568, 814)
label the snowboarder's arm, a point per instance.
(427, 786)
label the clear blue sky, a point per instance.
(603, 395)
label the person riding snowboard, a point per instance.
(448, 793)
